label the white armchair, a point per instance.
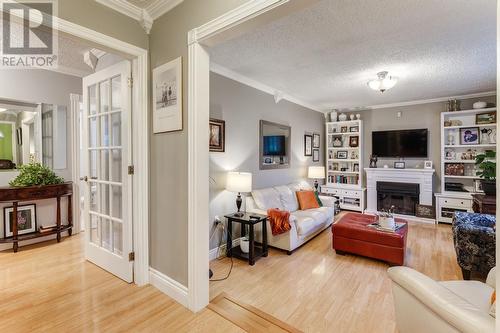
(425, 305)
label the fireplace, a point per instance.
(403, 196)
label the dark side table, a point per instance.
(255, 251)
(484, 204)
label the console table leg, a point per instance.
(15, 246)
(70, 215)
(58, 219)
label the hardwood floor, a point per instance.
(315, 290)
(51, 288)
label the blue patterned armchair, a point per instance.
(474, 239)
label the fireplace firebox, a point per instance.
(403, 196)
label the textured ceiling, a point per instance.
(326, 53)
(70, 52)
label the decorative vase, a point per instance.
(333, 116)
(489, 187)
(358, 116)
(387, 222)
(342, 117)
(352, 117)
(244, 245)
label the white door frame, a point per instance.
(198, 152)
(140, 139)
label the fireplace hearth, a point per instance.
(403, 196)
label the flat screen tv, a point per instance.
(401, 143)
(274, 145)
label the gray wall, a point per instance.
(95, 16)
(242, 107)
(412, 117)
(169, 152)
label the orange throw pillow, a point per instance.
(307, 200)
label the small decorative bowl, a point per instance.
(479, 105)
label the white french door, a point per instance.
(107, 154)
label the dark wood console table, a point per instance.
(15, 195)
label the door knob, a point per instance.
(84, 178)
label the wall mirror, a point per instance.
(274, 145)
(32, 132)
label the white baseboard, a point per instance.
(169, 286)
(213, 254)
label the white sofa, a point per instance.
(425, 305)
(305, 223)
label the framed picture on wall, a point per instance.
(167, 97)
(308, 138)
(315, 155)
(316, 140)
(217, 135)
(26, 220)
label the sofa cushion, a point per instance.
(475, 292)
(288, 198)
(267, 198)
(305, 223)
(307, 200)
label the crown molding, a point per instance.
(159, 7)
(223, 71)
(421, 101)
(145, 16)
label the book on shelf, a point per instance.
(341, 179)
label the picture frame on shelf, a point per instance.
(26, 220)
(469, 136)
(337, 141)
(354, 141)
(355, 167)
(399, 165)
(167, 97)
(308, 138)
(354, 129)
(486, 118)
(354, 155)
(315, 155)
(343, 129)
(217, 135)
(342, 155)
(428, 165)
(335, 167)
(478, 188)
(316, 140)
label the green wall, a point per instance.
(6, 142)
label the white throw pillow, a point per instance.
(267, 198)
(300, 186)
(288, 198)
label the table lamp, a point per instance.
(316, 172)
(239, 182)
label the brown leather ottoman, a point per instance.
(352, 234)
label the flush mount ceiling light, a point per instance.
(383, 82)
(1, 135)
(3, 109)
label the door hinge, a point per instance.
(131, 256)
(131, 169)
(130, 82)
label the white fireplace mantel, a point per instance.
(423, 177)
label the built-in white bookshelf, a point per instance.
(344, 163)
(458, 169)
